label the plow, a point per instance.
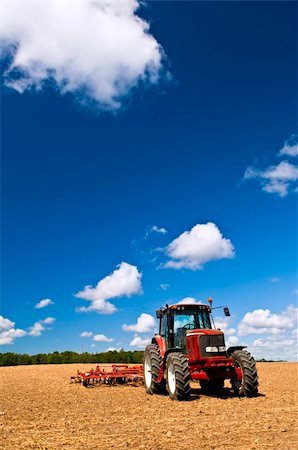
(120, 373)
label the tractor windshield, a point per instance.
(191, 319)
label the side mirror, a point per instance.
(226, 311)
(159, 314)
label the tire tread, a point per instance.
(156, 363)
(250, 382)
(180, 363)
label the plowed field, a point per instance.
(40, 409)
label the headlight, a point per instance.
(211, 349)
(222, 348)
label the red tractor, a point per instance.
(188, 348)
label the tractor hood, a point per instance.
(205, 343)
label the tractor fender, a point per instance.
(160, 342)
(230, 350)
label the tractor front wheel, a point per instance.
(178, 378)
(152, 366)
(246, 385)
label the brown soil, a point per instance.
(40, 409)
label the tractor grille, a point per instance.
(216, 340)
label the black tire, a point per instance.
(85, 383)
(212, 387)
(121, 380)
(178, 378)
(248, 386)
(152, 365)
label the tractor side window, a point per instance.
(183, 321)
(164, 327)
(204, 320)
(200, 321)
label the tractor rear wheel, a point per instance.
(152, 365)
(247, 386)
(178, 378)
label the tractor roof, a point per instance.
(189, 306)
(180, 307)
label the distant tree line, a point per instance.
(68, 357)
(271, 360)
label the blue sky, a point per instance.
(119, 166)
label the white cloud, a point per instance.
(275, 347)
(189, 300)
(230, 331)
(151, 229)
(280, 188)
(48, 320)
(274, 279)
(263, 321)
(145, 323)
(290, 147)
(86, 334)
(164, 286)
(8, 333)
(6, 323)
(125, 281)
(139, 342)
(192, 249)
(97, 50)
(114, 349)
(280, 179)
(101, 338)
(232, 340)
(38, 327)
(8, 336)
(142, 245)
(222, 323)
(273, 342)
(43, 303)
(283, 171)
(101, 306)
(156, 229)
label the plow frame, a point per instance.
(120, 373)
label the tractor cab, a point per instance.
(177, 320)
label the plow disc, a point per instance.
(120, 373)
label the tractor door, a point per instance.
(166, 329)
(184, 320)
